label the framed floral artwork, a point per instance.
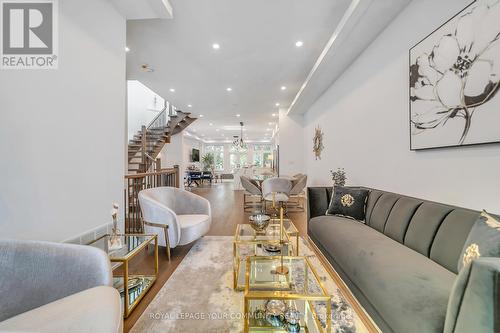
(455, 79)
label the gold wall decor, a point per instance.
(318, 142)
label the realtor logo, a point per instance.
(29, 34)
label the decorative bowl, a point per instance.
(259, 222)
(275, 312)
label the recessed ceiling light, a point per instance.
(127, 49)
(238, 115)
(201, 116)
(229, 89)
(273, 114)
(299, 43)
(277, 104)
(270, 123)
(217, 130)
(215, 46)
(172, 90)
(190, 106)
(211, 124)
(268, 129)
(283, 88)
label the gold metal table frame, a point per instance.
(124, 260)
(257, 240)
(274, 291)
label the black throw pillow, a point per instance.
(348, 202)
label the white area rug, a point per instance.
(199, 296)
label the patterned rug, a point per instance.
(199, 296)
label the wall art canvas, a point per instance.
(455, 80)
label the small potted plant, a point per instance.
(339, 177)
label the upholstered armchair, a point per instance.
(53, 287)
(177, 216)
(252, 190)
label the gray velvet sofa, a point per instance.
(401, 264)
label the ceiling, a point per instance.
(257, 56)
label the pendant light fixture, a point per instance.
(238, 141)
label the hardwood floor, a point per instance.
(227, 212)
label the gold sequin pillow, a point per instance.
(483, 240)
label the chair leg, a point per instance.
(167, 241)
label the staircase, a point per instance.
(144, 147)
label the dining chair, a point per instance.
(252, 190)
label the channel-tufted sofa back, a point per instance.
(435, 230)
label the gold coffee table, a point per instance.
(300, 289)
(248, 242)
(138, 284)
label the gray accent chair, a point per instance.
(177, 216)
(252, 190)
(402, 263)
(53, 287)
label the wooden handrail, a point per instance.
(156, 173)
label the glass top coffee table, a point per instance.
(248, 242)
(300, 295)
(138, 284)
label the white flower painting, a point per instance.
(455, 79)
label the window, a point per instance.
(218, 152)
(263, 156)
(237, 158)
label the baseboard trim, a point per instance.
(370, 325)
(91, 235)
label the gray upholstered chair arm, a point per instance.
(474, 303)
(189, 203)
(35, 273)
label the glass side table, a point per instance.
(248, 242)
(300, 290)
(138, 284)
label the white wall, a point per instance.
(62, 132)
(189, 144)
(291, 142)
(140, 106)
(178, 152)
(364, 116)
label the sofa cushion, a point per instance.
(451, 236)
(382, 209)
(373, 198)
(424, 226)
(193, 227)
(318, 199)
(400, 217)
(408, 290)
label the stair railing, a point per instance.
(138, 182)
(161, 119)
(157, 124)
